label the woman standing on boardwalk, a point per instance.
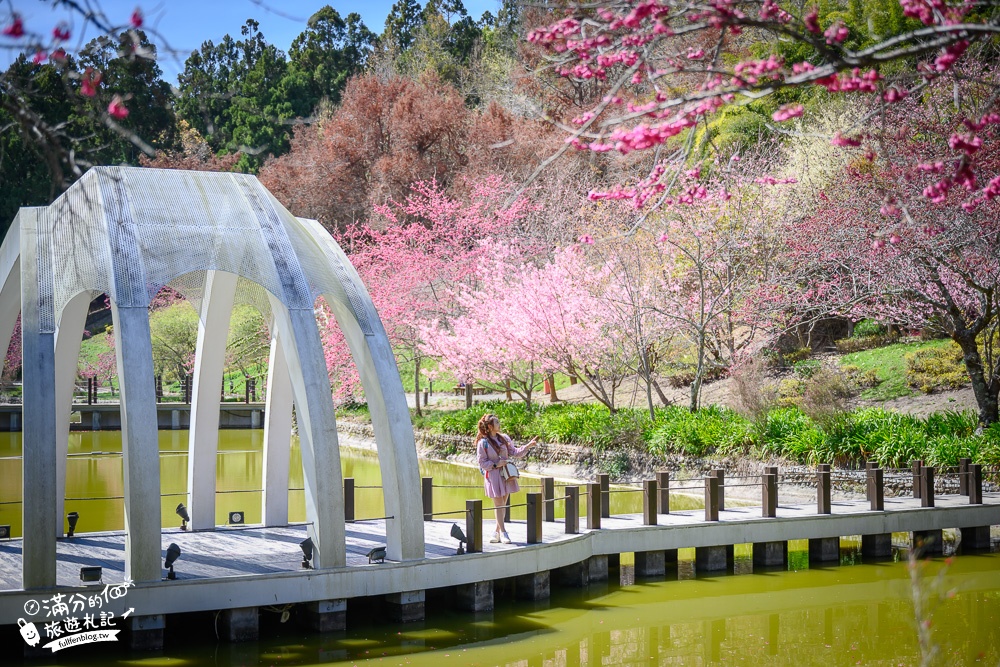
(494, 450)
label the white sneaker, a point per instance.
(496, 538)
(506, 538)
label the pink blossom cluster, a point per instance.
(950, 54)
(750, 70)
(854, 81)
(967, 143)
(771, 11)
(836, 33)
(788, 112)
(930, 12)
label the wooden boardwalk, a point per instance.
(239, 567)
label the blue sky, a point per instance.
(185, 24)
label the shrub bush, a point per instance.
(797, 355)
(849, 345)
(866, 328)
(936, 368)
(806, 368)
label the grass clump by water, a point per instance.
(848, 438)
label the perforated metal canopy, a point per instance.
(220, 239)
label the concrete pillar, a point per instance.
(140, 441)
(650, 564)
(324, 493)
(277, 437)
(824, 550)
(145, 633)
(39, 403)
(477, 596)
(714, 559)
(68, 338)
(376, 364)
(975, 538)
(597, 568)
(95, 421)
(876, 546)
(255, 418)
(15, 422)
(406, 607)
(576, 575)
(209, 363)
(770, 554)
(175, 420)
(534, 586)
(928, 542)
(239, 625)
(325, 615)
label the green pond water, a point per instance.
(847, 614)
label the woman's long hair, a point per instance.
(483, 428)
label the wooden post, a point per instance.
(548, 497)
(823, 489)
(605, 482)
(427, 494)
(963, 476)
(474, 525)
(711, 498)
(869, 466)
(975, 484)
(534, 518)
(915, 466)
(876, 490)
(246, 390)
(663, 489)
(572, 510)
(593, 506)
(349, 499)
(721, 474)
(649, 502)
(926, 486)
(769, 495)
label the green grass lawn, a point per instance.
(890, 364)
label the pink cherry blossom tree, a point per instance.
(411, 256)
(909, 235)
(521, 320)
(668, 67)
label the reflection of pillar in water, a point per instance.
(600, 648)
(717, 635)
(772, 634)
(653, 645)
(828, 626)
(871, 632)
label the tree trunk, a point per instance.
(572, 380)
(506, 388)
(649, 383)
(552, 389)
(985, 391)
(416, 383)
(468, 395)
(698, 374)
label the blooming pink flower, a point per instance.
(894, 238)
(840, 140)
(61, 32)
(836, 33)
(878, 244)
(893, 94)
(136, 19)
(587, 239)
(59, 57)
(117, 108)
(812, 21)
(15, 28)
(40, 57)
(88, 85)
(787, 112)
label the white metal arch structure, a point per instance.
(128, 231)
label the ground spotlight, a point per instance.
(236, 518)
(457, 533)
(173, 553)
(90, 574)
(182, 512)
(5, 532)
(72, 518)
(376, 555)
(307, 552)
